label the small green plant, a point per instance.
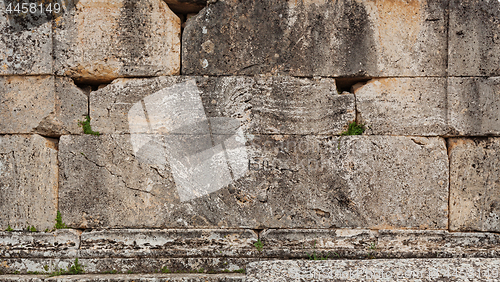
(86, 126)
(16, 272)
(9, 229)
(31, 229)
(73, 269)
(241, 270)
(354, 129)
(130, 272)
(59, 223)
(114, 271)
(314, 256)
(259, 245)
(46, 267)
(165, 270)
(372, 246)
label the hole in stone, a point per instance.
(186, 6)
(346, 83)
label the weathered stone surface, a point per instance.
(474, 43)
(151, 278)
(169, 243)
(325, 38)
(277, 181)
(425, 270)
(41, 104)
(21, 278)
(261, 105)
(474, 105)
(102, 40)
(474, 184)
(403, 106)
(58, 244)
(186, 6)
(25, 49)
(28, 182)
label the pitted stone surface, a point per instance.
(474, 185)
(57, 244)
(25, 50)
(474, 106)
(284, 182)
(324, 38)
(127, 278)
(99, 41)
(474, 43)
(28, 182)
(261, 105)
(403, 106)
(425, 270)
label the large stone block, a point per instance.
(28, 182)
(280, 181)
(403, 106)
(98, 41)
(474, 184)
(474, 105)
(41, 104)
(261, 105)
(324, 38)
(474, 43)
(25, 46)
(59, 244)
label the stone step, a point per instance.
(127, 278)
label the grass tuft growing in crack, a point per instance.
(354, 129)
(59, 223)
(73, 269)
(86, 126)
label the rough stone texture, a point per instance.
(41, 104)
(474, 43)
(474, 105)
(28, 182)
(403, 106)
(25, 49)
(278, 181)
(261, 105)
(169, 243)
(102, 40)
(128, 278)
(186, 6)
(58, 244)
(325, 38)
(425, 270)
(474, 184)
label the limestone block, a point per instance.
(474, 105)
(260, 105)
(149, 278)
(28, 182)
(25, 43)
(474, 43)
(277, 181)
(186, 6)
(98, 41)
(474, 184)
(61, 243)
(318, 38)
(403, 106)
(41, 104)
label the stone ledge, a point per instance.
(128, 278)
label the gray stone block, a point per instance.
(403, 106)
(474, 106)
(151, 278)
(474, 43)
(317, 38)
(99, 41)
(275, 181)
(25, 48)
(474, 186)
(190, 105)
(62, 243)
(28, 182)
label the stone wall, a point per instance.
(221, 138)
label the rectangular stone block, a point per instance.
(169, 243)
(25, 43)
(403, 106)
(318, 38)
(276, 181)
(474, 106)
(98, 41)
(28, 182)
(474, 184)
(57, 244)
(218, 105)
(474, 43)
(425, 270)
(41, 104)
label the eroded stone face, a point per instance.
(99, 41)
(474, 44)
(474, 105)
(403, 106)
(474, 186)
(325, 38)
(281, 181)
(28, 181)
